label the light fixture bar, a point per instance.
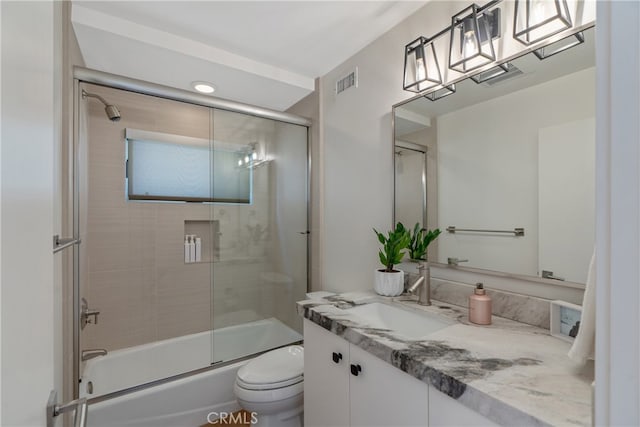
(559, 46)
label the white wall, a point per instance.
(358, 154)
(27, 211)
(566, 189)
(1, 281)
(357, 143)
(617, 396)
(488, 171)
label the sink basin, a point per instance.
(403, 322)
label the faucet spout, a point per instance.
(423, 284)
(93, 352)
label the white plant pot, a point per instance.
(389, 284)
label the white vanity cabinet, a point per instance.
(344, 385)
(326, 382)
(445, 411)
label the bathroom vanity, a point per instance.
(372, 360)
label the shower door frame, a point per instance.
(86, 75)
(418, 149)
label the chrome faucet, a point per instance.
(86, 313)
(93, 352)
(455, 261)
(424, 283)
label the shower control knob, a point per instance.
(337, 357)
(355, 370)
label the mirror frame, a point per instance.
(430, 195)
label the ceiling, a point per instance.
(264, 53)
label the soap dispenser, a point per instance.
(187, 255)
(480, 306)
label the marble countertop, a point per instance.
(510, 372)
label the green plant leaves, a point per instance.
(392, 246)
(420, 240)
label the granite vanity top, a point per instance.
(510, 372)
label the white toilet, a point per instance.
(271, 385)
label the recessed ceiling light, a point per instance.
(203, 87)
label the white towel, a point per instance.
(583, 347)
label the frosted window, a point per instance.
(181, 172)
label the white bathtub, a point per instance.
(184, 402)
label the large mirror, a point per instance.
(505, 168)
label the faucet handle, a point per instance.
(86, 314)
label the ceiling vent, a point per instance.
(347, 82)
(513, 72)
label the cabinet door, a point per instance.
(326, 378)
(382, 395)
(446, 411)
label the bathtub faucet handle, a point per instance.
(94, 314)
(86, 314)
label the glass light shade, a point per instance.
(560, 46)
(471, 44)
(441, 92)
(536, 20)
(421, 68)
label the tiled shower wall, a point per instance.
(132, 262)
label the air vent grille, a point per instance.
(347, 82)
(513, 72)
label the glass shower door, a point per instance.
(139, 179)
(261, 266)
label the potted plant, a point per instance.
(388, 281)
(420, 240)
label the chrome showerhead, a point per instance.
(112, 111)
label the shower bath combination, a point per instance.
(112, 111)
(175, 329)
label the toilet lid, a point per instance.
(274, 369)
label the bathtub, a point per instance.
(186, 401)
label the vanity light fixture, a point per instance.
(203, 87)
(441, 93)
(492, 73)
(471, 38)
(559, 46)
(536, 20)
(249, 157)
(421, 68)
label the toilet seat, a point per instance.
(275, 369)
(268, 396)
(270, 386)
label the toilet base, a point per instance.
(271, 414)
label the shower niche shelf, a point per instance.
(209, 232)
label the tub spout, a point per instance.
(93, 352)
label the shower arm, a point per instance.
(86, 94)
